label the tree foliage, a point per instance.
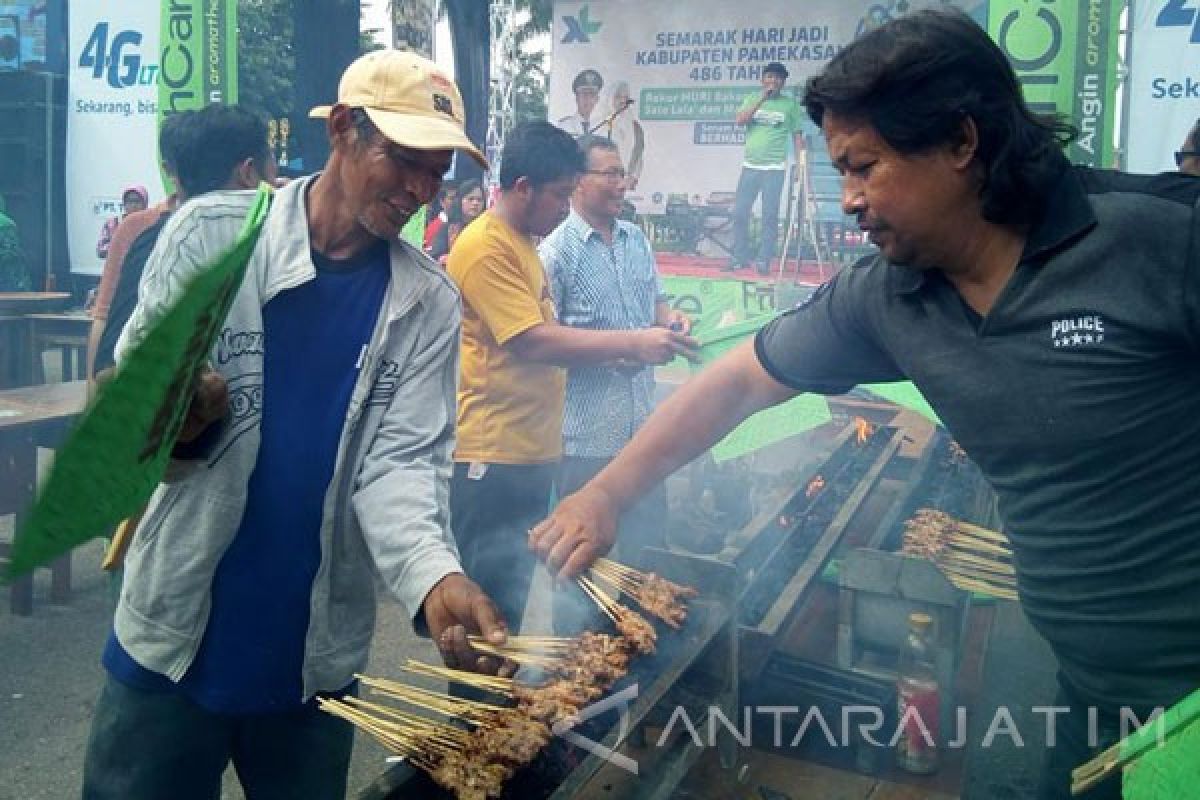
(266, 61)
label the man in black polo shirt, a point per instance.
(1051, 316)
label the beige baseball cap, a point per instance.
(410, 100)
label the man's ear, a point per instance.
(246, 175)
(963, 151)
(340, 124)
(523, 188)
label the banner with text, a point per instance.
(1164, 81)
(687, 67)
(126, 63)
(1065, 55)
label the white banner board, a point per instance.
(112, 118)
(1164, 81)
(687, 66)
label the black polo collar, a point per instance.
(1068, 214)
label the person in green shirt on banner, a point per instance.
(14, 273)
(770, 118)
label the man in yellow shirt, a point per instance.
(511, 382)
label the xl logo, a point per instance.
(580, 29)
(1176, 14)
(121, 58)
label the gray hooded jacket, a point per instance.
(386, 509)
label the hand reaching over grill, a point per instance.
(456, 607)
(581, 529)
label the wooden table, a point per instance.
(33, 417)
(66, 332)
(16, 365)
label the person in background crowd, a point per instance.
(510, 391)
(14, 271)
(313, 464)
(217, 147)
(439, 212)
(127, 232)
(1050, 314)
(603, 277)
(626, 133)
(133, 199)
(586, 86)
(771, 120)
(1188, 157)
(466, 209)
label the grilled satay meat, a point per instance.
(471, 781)
(664, 599)
(515, 743)
(600, 661)
(554, 700)
(637, 631)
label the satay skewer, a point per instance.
(487, 683)
(531, 644)
(591, 591)
(523, 657)
(458, 707)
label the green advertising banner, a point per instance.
(197, 55)
(1065, 55)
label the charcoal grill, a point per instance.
(754, 603)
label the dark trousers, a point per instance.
(162, 746)
(1077, 741)
(491, 517)
(643, 525)
(769, 183)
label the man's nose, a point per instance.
(853, 199)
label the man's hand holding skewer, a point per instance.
(581, 529)
(456, 607)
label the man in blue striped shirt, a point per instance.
(602, 276)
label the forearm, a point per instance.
(693, 419)
(95, 331)
(564, 346)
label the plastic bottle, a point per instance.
(919, 699)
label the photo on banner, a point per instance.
(687, 67)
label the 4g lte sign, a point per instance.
(119, 61)
(197, 62)
(1179, 14)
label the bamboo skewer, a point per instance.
(488, 683)
(976, 575)
(1174, 721)
(522, 657)
(470, 710)
(973, 558)
(600, 599)
(533, 644)
(409, 743)
(970, 585)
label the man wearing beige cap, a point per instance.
(317, 460)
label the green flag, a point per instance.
(115, 458)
